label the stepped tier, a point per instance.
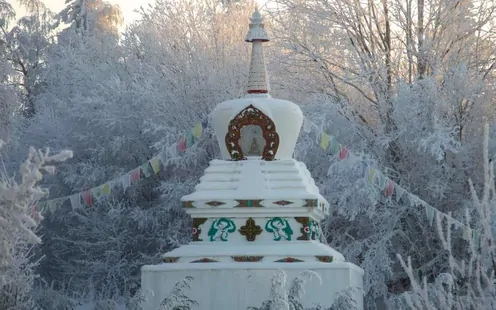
(255, 183)
(256, 201)
(266, 229)
(230, 252)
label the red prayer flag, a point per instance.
(389, 188)
(343, 153)
(88, 199)
(135, 175)
(181, 145)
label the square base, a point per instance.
(228, 286)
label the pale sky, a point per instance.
(127, 6)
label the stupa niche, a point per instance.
(255, 211)
(252, 141)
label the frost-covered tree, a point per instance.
(177, 299)
(359, 59)
(25, 46)
(87, 17)
(278, 298)
(178, 44)
(410, 98)
(469, 282)
(117, 106)
(410, 105)
(8, 98)
(282, 298)
(18, 221)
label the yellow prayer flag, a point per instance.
(197, 130)
(106, 189)
(324, 141)
(370, 175)
(155, 163)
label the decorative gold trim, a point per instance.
(283, 203)
(247, 258)
(307, 233)
(311, 203)
(252, 116)
(215, 203)
(248, 203)
(196, 228)
(188, 204)
(304, 221)
(205, 260)
(325, 259)
(254, 203)
(170, 259)
(289, 260)
(251, 230)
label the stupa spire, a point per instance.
(258, 79)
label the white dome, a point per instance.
(286, 117)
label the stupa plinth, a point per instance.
(255, 211)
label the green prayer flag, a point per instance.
(190, 139)
(335, 146)
(146, 170)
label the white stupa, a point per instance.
(255, 211)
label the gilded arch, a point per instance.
(252, 116)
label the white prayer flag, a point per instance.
(75, 201)
(429, 211)
(126, 181)
(399, 192)
(307, 125)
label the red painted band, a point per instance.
(257, 91)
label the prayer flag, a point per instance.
(205, 123)
(343, 153)
(146, 170)
(370, 175)
(135, 175)
(88, 199)
(335, 146)
(399, 192)
(181, 144)
(197, 131)
(106, 189)
(324, 141)
(389, 188)
(429, 211)
(75, 201)
(307, 125)
(190, 139)
(126, 181)
(155, 163)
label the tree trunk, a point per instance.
(422, 64)
(409, 40)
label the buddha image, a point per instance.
(252, 141)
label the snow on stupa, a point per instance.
(255, 211)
